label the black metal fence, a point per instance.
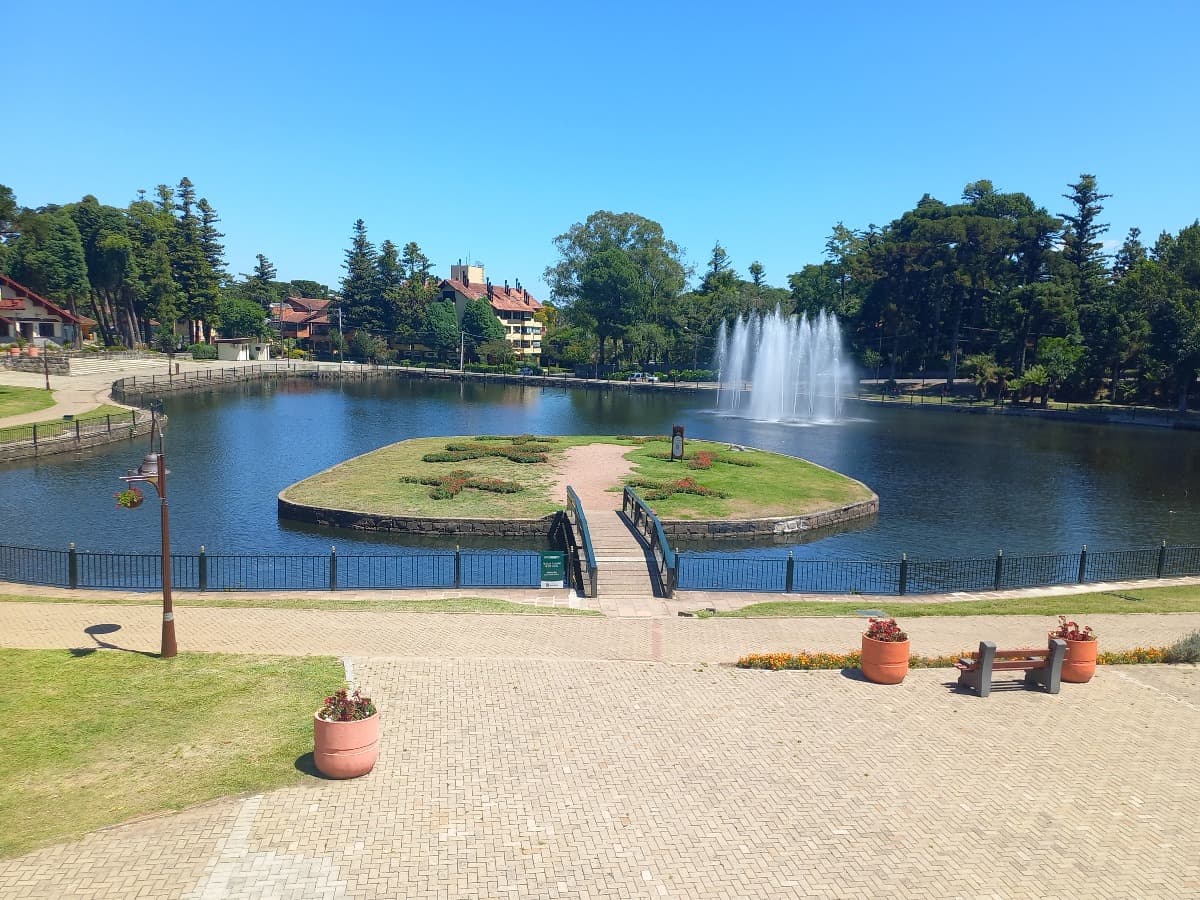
(779, 574)
(71, 429)
(269, 572)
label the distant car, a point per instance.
(525, 370)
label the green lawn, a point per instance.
(215, 600)
(772, 485)
(769, 485)
(96, 739)
(16, 401)
(48, 428)
(1143, 600)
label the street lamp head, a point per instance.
(149, 467)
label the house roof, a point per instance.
(501, 298)
(312, 304)
(25, 292)
(300, 316)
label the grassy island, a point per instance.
(522, 477)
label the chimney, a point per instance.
(489, 288)
(505, 285)
(466, 278)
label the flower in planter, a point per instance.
(130, 498)
(344, 706)
(1070, 631)
(885, 630)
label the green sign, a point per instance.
(554, 569)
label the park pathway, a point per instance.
(624, 587)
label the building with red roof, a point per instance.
(305, 320)
(513, 306)
(28, 315)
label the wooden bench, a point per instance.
(1041, 667)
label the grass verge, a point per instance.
(16, 401)
(479, 605)
(95, 739)
(1149, 600)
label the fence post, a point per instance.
(35, 438)
(1082, 565)
(903, 573)
(333, 568)
(790, 578)
(1162, 559)
(77, 430)
(108, 421)
(72, 567)
(999, 570)
(202, 569)
(457, 566)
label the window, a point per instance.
(46, 329)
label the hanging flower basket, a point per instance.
(130, 498)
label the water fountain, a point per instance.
(780, 368)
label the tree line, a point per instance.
(992, 286)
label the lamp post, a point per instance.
(153, 470)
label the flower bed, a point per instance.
(805, 659)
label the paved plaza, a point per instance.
(547, 756)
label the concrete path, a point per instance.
(76, 394)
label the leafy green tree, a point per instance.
(1059, 358)
(756, 273)
(367, 346)
(48, 257)
(442, 328)
(497, 352)
(636, 254)
(612, 294)
(243, 318)
(8, 215)
(303, 287)
(480, 325)
(983, 370)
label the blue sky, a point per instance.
(485, 130)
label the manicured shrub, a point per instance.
(203, 351)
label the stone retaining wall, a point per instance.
(57, 364)
(749, 528)
(361, 521)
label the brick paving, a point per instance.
(569, 757)
(614, 779)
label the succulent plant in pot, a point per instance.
(1082, 647)
(885, 652)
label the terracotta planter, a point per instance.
(345, 749)
(14, 351)
(32, 350)
(1080, 663)
(884, 662)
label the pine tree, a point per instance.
(210, 238)
(390, 274)
(360, 291)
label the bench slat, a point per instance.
(1018, 664)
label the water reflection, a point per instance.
(949, 485)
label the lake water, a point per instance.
(950, 486)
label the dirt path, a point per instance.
(591, 470)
